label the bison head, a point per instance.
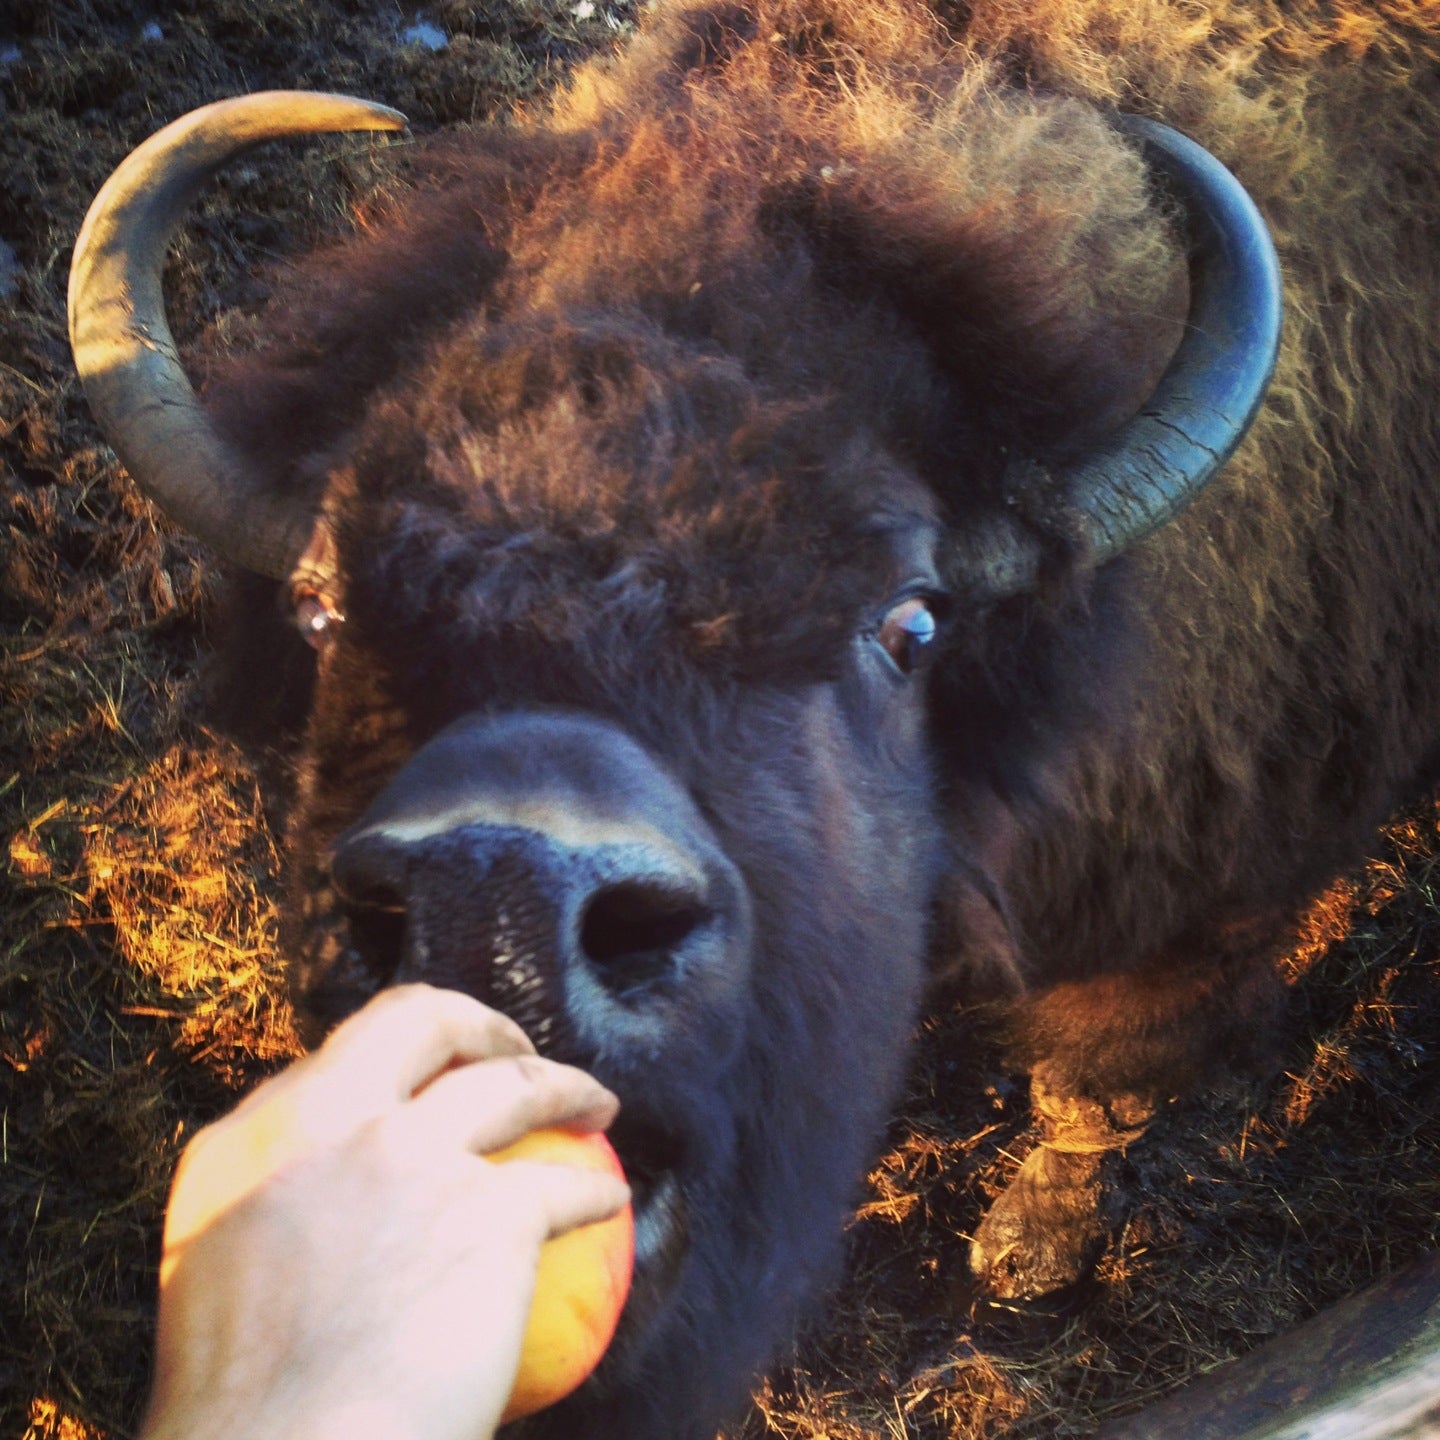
(653, 631)
(557, 758)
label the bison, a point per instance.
(822, 510)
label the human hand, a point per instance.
(338, 1260)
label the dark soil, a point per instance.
(139, 984)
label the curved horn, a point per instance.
(123, 348)
(1210, 393)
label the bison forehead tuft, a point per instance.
(593, 483)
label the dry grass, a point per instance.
(139, 989)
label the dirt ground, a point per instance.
(139, 984)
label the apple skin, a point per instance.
(580, 1286)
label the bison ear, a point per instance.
(1048, 306)
(259, 679)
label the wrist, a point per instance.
(301, 1414)
(356, 1420)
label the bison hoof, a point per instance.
(1046, 1230)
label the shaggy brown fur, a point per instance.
(1293, 616)
(609, 413)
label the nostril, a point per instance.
(630, 931)
(377, 935)
(368, 876)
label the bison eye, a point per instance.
(907, 631)
(317, 618)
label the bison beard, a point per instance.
(713, 507)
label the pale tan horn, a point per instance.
(126, 356)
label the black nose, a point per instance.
(628, 912)
(549, 867)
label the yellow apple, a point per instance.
(581, 1285)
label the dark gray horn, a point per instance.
(123, 348)
(1210, 393)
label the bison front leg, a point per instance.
(1103, 1055)
(1051, 1222)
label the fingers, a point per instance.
(429, 1070)
(385, 1052)
(482, 1107)
(407, 1036)
(563, 1197)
